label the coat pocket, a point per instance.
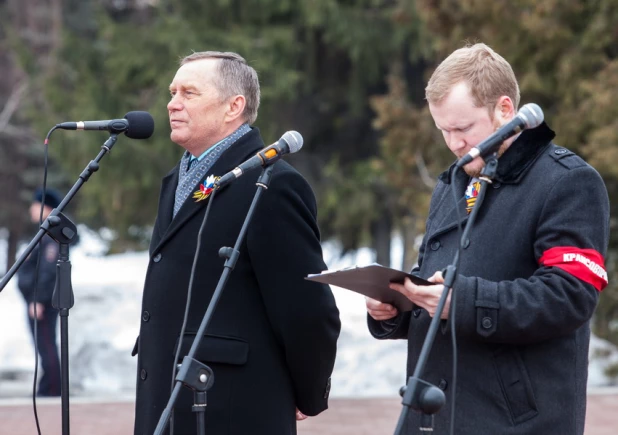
(215, 349)
(515, 384)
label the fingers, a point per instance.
(40, 309)
(408, 289)
(379, 310)
(299, 415)
(423, 296)
(437, 278)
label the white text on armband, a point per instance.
(594, 267)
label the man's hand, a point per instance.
(299, 415)
(425, 296)
(40, 310)
(379, 310)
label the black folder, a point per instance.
(372, 281)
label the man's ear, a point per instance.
(505, 109)
(236, 107)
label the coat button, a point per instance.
(486, 322)
(560, 151)
(435, 245)
(143, 374)
(497, 185)
(466, 243)
(443, 384)
(157, 258)
(145, 316)
(416, 312)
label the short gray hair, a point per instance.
(236, 77)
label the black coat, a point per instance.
(272, 340)
(47, 273)
(522, 327)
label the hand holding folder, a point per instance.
(371, 281)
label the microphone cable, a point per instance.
(188, 304)
(36, 284)
(453, 306)
(462, 234)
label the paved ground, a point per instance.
(345, 417)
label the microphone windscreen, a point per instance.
(532, 115)
(141, 125)
(293, 139)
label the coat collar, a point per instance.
(449, 219)
(247, 145)
(518, 159)
(512, 167)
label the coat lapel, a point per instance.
(450, 218)
(246, 146)
(166, 202)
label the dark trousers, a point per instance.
(49, 385)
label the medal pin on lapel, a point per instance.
(206, 188)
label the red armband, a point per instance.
(585, 264)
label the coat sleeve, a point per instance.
(553, 301)
(26, 275)
(284, 247)
(397, 327)
(47, 273)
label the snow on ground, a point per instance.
(104, 323)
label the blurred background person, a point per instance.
(39, 302)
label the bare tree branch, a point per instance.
(18, 132)
(423, 172)
(12, 104)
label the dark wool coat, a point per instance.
(522, 327)
(47, 272)
(272, 340)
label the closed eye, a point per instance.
(460, 130)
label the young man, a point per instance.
(530, 273)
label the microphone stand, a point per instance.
(418, 394)
(63, 231)
(192, 373)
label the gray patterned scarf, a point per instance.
(188, 179)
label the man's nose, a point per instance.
(456, 142)
(174, 104)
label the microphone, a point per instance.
(290, 142)
(529, 116)
(136, 125)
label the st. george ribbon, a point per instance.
(529, 116)
(290, 142)
(135, 125)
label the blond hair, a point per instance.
(235, 77)
(488, 75)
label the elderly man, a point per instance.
(530, 273)
(272, 340)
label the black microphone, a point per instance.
(136, 125)
(290, 142)
(529, 116)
